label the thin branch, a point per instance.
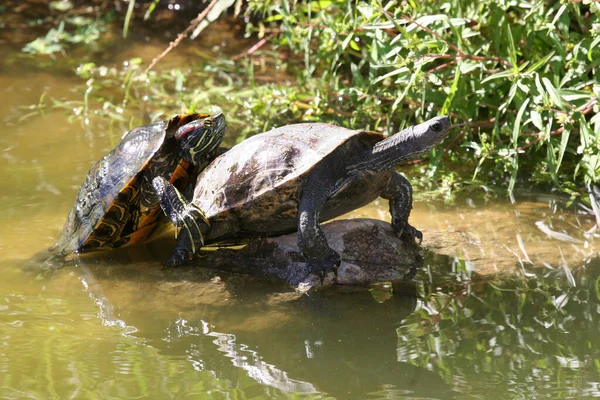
(252, 49)
(193, 24)
(439, 67)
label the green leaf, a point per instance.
(553, 93)
(539, 86)
(594, 44)
(452, 92)
(536, 118)
(391, 73)
(337, 55)
(62, 6)
(574, 95)
(357, 77)
(517, 127)
(434, 79)
(128, 18)
(150, 10)
(413, 4)
(511, 95)
(559, 13)
(426, 20)
(410, 83)
(512, 50)
(564, 140)
(503, 74)
(551, 160)
(513, 174)
(541, 62)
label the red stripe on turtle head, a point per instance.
(207, 122)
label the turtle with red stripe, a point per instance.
(116, 205)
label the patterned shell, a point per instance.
(116, 205)
(260, 173)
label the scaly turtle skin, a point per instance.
(116, 205)
(292, 178)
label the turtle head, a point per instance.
(406, 145)
(420, 139)
(201, 137)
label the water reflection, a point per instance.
(338, 343)
(533, 337)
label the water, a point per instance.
(504, 306)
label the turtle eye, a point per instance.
(207, 124)
(436, 127)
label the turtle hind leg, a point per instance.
(188, 219)
(399, 194)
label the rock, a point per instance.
(370, 252)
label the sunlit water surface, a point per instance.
(505, 306)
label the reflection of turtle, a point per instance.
(292, 178)
(116, 204)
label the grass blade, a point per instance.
(128, 18)
(564, 140)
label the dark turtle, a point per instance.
(294, 177)
(116, 205)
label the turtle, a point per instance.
(116, 205)
(293, 178)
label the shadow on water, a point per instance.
(338, 342)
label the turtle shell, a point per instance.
(257, 181)
(116, 205)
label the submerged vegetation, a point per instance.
(520, 79)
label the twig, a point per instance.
(252, 49)
(439, 67)
(193, 24)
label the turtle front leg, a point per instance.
(311, 238)
(188, 216)
(399, 194)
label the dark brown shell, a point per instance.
(261, 175)
(116, 204)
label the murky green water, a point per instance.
(500, 308)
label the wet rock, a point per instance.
(370, 252)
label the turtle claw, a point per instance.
(316, 272)
(321, 266)
(410, 235)
(178, 258)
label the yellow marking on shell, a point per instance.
(144, 232)
(293, 213)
